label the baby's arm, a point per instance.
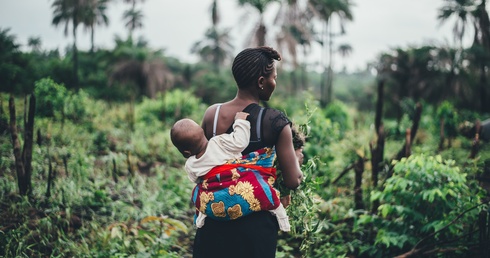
(239, 139)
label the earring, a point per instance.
(261, 88)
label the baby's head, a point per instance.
(188, 137)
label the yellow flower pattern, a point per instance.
(235, 174)
(235, 212)
(246, 190)
(205, 198)
(218, 209)
(241, 186)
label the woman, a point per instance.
(254, 235)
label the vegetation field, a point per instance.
(397, 156)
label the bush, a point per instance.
(50, 98)
(76, 104)
(424, 195)
(338, 113)
(448, 115)
(170, 107)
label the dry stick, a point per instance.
(19, 166)
(413, 131)
(25, 114)
(344, 172)
(114, 170)
(359, 169)
(128, 162)
(482, 221)
(408, 140)
(39, 137)
(28, 142)
(50, 176)
(441, 134)
(408, 143)
(377, 154)
(475, 146)
(130, 168)
(415, 251)
(65, 163)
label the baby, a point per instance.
(203, 155)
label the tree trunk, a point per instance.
(75, 53)
(28, 142)
(92, 38)
(377, 154)
(304, 77)
(411, 133)
(330, 71)
(485, 104)
(359, 169)
(261, 32)
(442, 138)
(19, 166)
(379, 106)
(323, 81)
(476, 141)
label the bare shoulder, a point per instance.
(209, 113)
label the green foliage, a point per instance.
(302, 212)
(119, 188)
(50, 98)
(75, 106)
(169, 107)
(338, 113)
(447, 113)
(214, 88)
(422, 197)
(13, 64)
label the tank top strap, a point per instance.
(259, 124)
(215, 123)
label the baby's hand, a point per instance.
(241, 115)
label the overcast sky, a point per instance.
(175, 25)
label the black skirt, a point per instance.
(252, 236)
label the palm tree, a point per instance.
(95, 14)
(66, 12)
(34, 43)
(216, 47)
(325, 10)
(133, 17)
(344, 50)
(463, 10)
(134, 20)
(296, 30)
(260, 6)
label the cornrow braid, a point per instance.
(252, 63)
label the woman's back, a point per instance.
(266, 124)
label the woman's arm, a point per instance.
(287, 159)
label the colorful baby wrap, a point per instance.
(235, 190)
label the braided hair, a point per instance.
(252, 63)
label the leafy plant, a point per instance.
(422, 198)
(169, 107)
(448, 115)
(50, 98)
